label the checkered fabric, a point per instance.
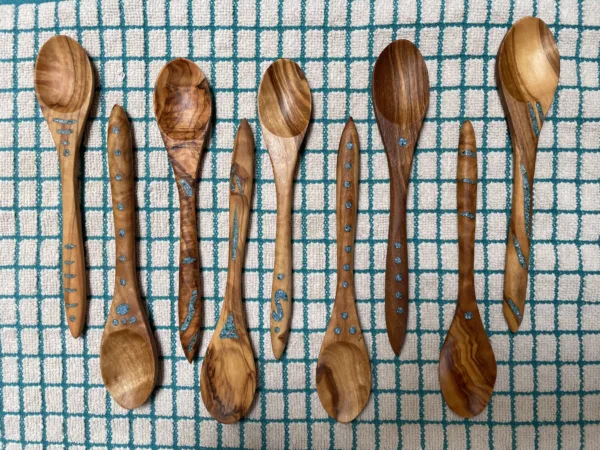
(547, 392)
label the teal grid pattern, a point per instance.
(548, 388)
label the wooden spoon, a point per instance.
(343, 368)
(467, 364)
(64, 85)
(284, 108)
(228, 373)
(527, 71)
(400, 99)
(128, 357)
(183, 108)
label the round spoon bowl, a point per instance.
(182, 102)
(284, 85)
(343, 380)
(128, 367)
(63, 76)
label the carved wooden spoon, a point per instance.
(228, 373)
(64, 85)
(400, 99)
(183, 108)
(343, 368)
(284, 108)
(128, 357)
(527, 70)
(467, 364)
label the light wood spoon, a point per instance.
(527, 71)
(228, 377)
(64, 85)
(284, 108)
(128, 357)
(183, 108)
(343, 368)
(467, 367)
(400, 99)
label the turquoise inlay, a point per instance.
(120, 206)
(64, 121)
(228, 331)
(348, 205)
(115, 322)
(132, 320)
(398, 295)
(399, 310)
(64, 132)
(348, 165)
(467, 180)
(123, 320)
(122, 309)
(398, 277)
(72, 318)
(71, 305)
(123, 282)
(347, 184)
(402, 142)
(118, 177)
(70, 290)
(345, 284)
(514, 309)
(526, 201)
(239, 185)
(122, 232)
(348, 249)
(70, 246)
(346, 267)
(397, 260)
(352, 330)
(122, 258)
(190, 346)
(540, 112)
(534, 122)
(397, 244)
(65, 142)
(349, 145)
(468, 152)
(68, 263)
(186, 187)
(344, 315)
(337, 330)
(520, 255)
(467, 214)
(188, 260)
(279, 296)
(347, 228)
(235, 237)
(280, 276)
(276, 329)
(70, 275)
(66, 152)
(115, 130)
(468, 315)
(117, 152)
(191, 310)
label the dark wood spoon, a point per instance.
(183, 108)
(527, 71)
(467, 367)
(400, 99)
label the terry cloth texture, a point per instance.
(547, 392)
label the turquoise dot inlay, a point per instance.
(347, 184)
(348, 249)
(349, 145)
(280, 276)
(72, 318)
(122, 309)
(123, 320)
(117, 152)
(344, 315)
(402, 142)
(398, 294)
(398, 277)
(337, 330)
(132, 320)
(276, 329)
(115, 130)
(120, 206)
(122, 232)
(397, 260)
(66, 152)
(347, 228)
(122, 258)
(346, 267)
(468, 315)
(345, 284)
(118, 177)
(397, 245)
(400, 310)
(348, 204)
(115, 322)
(352, 330)
(123, 282)
(348, 165)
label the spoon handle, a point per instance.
(466, 202)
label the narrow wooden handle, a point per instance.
(466, 202)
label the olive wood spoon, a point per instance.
(343, 368)
(400, 98)
(64, 85)
(183, 108)
(284, 109)
(228, 379)
(128, 356)
(527, 72)
(467, 367)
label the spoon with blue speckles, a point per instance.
(128, 357)
(64, 85)
(183, 108)
(228, 379)
(343, 368)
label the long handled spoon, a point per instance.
(527, 70)
(183, 108)
(64, 85)
(343, 368)
(128, 357)
(284, 108)
(228, 377)
(467, 364)
(400, 100)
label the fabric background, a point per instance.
(547, 393)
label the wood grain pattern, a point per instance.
(128, 355)
(64, 85)
(228, 378)
(284, 108)
(400, 98)
(183, 109)
(467, 367)
(527, 72)
(343, 368)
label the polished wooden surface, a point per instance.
(128, 355)
(183, 108)
(467, 367)
(64, 85)
(527, 71)
(343, 368)
(400, 98)
(284, 109)
(228, 379)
